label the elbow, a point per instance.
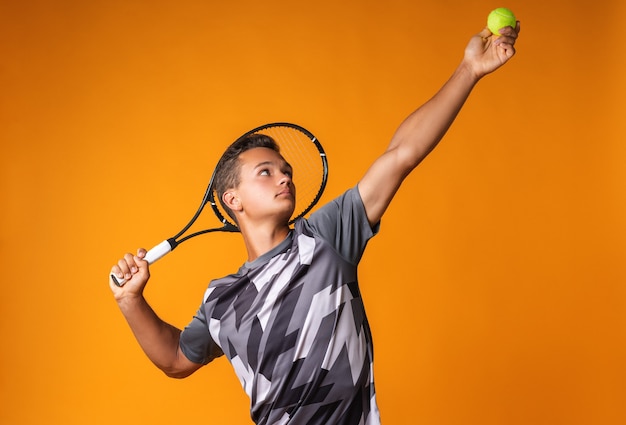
(176, 373)
(408, 157)
(180, 368)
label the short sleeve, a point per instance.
(196, 342)
(343, 223)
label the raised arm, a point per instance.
(421, 131)
(158, 339)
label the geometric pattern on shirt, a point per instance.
(297, 336)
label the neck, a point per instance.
(261, 239)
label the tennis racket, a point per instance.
(301, 150)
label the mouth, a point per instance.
(285, 193)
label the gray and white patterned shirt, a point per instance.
(293, 325)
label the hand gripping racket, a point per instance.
(301, 150)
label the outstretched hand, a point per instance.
(486, 52)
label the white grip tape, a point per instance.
(157, 252)
(153, 255)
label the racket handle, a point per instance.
(153, 255)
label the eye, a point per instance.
(264, 172)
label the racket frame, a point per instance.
(168, 245)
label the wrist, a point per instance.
(129, 301)
(468, 71)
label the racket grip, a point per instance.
(153, 255)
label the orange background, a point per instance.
(495, 289)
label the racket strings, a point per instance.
(307, 161)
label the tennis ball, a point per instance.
(500, 18)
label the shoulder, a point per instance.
(343, 223)
(346, 209)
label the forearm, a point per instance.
(416, 136)
(158, 339)
(421, 131)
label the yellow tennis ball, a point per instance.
(500, 18)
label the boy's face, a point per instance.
(266, 188)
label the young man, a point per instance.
(291, 320)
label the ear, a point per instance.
(231, 200)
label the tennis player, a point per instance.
(291, 320)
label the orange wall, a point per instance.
(496, 288)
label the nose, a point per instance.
(285, 179)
